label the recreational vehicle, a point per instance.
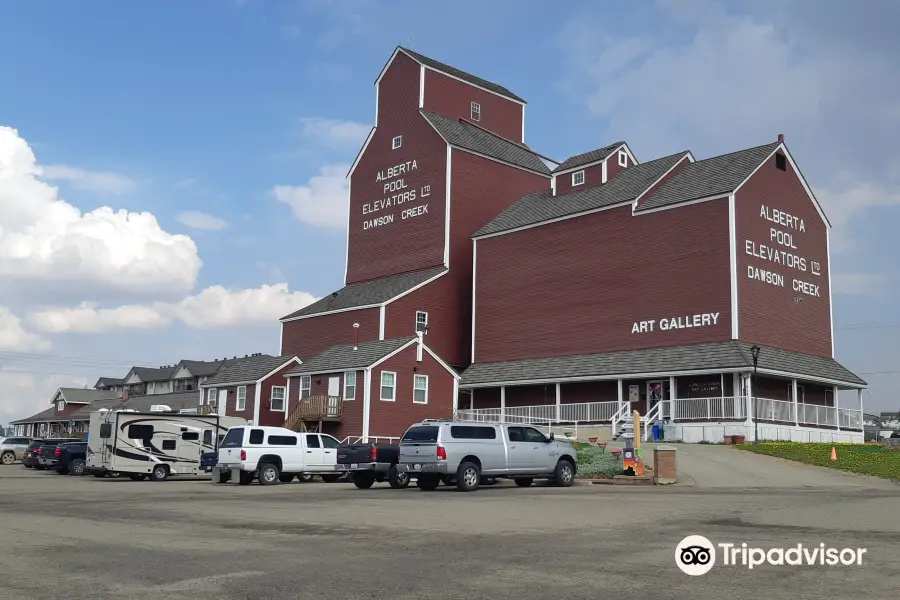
(154, 444)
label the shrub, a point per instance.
(593, 462)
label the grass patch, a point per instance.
(865, 459)
(593, 462)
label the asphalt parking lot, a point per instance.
(80, 537)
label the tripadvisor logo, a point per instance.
(696, 555)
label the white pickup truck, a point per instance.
(274, 454)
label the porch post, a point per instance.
(862, 414)
(837, 411)
(794, 393)
(673, 394)
(502, 403)
(746, 397)
(622, 394)
(558, 400)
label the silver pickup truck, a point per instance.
(462, 452)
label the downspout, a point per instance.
(367, 396)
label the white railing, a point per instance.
(708, 409)
(623, 413)
(774, 410)
(583, 412)
(652, 416)
(588, 411)
(850, 418)
(373, 439)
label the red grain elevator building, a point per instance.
(568, 297)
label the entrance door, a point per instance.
(654, 394)
(334, 387)
(221, 403)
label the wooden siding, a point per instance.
(578, 286)
(231, 402)
(311, 336)
(593, 177)
(393, 418)
(774, 315)
(612, 165)
(453, 98)
(351, 411)
(267, 416)
(408, 243)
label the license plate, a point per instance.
(417, 467)
(354, 466)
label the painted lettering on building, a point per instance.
(676, 322)
(780, 251)
(398, 190)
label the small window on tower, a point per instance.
(578, 178)
(421, 321)
(781, 161)
(398, 141)
(476, 111)
(623, 158)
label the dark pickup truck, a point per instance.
(208, 460)
(46, 453)
(30, 458)
(71, 458)
(368, 463)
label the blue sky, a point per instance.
(205, 107)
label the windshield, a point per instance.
(234, 438)
(424, 433)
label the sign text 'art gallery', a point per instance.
(780, 251)
(397, 192)
(677, 322)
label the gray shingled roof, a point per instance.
(108, 381)
(587, 157)
(720, 355)
(536, 207)
(345, 358)
(459, 133)
(366, 293)
(199, 368)
(45, 415)
(176, 401)
(246, 370)
(86, 395)
(148, 374)
(709, 177)
(439, 66)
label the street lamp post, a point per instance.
(754, 351)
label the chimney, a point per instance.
(780, 138)
(419, 347)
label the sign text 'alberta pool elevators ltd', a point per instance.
(781, 255)
(400, 196)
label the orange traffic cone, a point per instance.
(833, 454)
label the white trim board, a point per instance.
(474, 85)
(554, 220)
(474, 303)
(732, 260)
(361, 152)
(447, 185)
(687, 155)
(421, 85)
(518, 382)
(381, 319)
(649, 211)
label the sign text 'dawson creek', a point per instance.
(780, 252)
(397, 192)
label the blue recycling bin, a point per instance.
(656, 432)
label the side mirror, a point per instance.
(552, 437)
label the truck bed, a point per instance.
(355, 454)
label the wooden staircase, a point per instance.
(312, 411)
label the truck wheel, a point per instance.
(468, 476)
(135, 477)
(286, 477)
(268, 474)
(564, 475)
(224, 476)
(331, 478)
(245, 478)
(8, 458)
(304, 477)
(427, 484)
(398, 480)
(363, 479)
(160, 473)
(524, 481)
(77, 468)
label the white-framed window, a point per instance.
(421, 321)
(211, 397)
(350, 385)
(305, 385)
(829, 397)
(388, 386)
(801, 394)
(241, 402)
(623, 158)
(420, 389)
(60, 405)
(276, 403)
(476, 111)
(397, 142)
(578, 177)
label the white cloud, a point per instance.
(215, 307)
(14, 338)
(43, 238)
(27, 393)
(101, 182)
(201, 220)
(848, 199)
(323, 201)
(334, 133)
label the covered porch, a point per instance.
(694, 393)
